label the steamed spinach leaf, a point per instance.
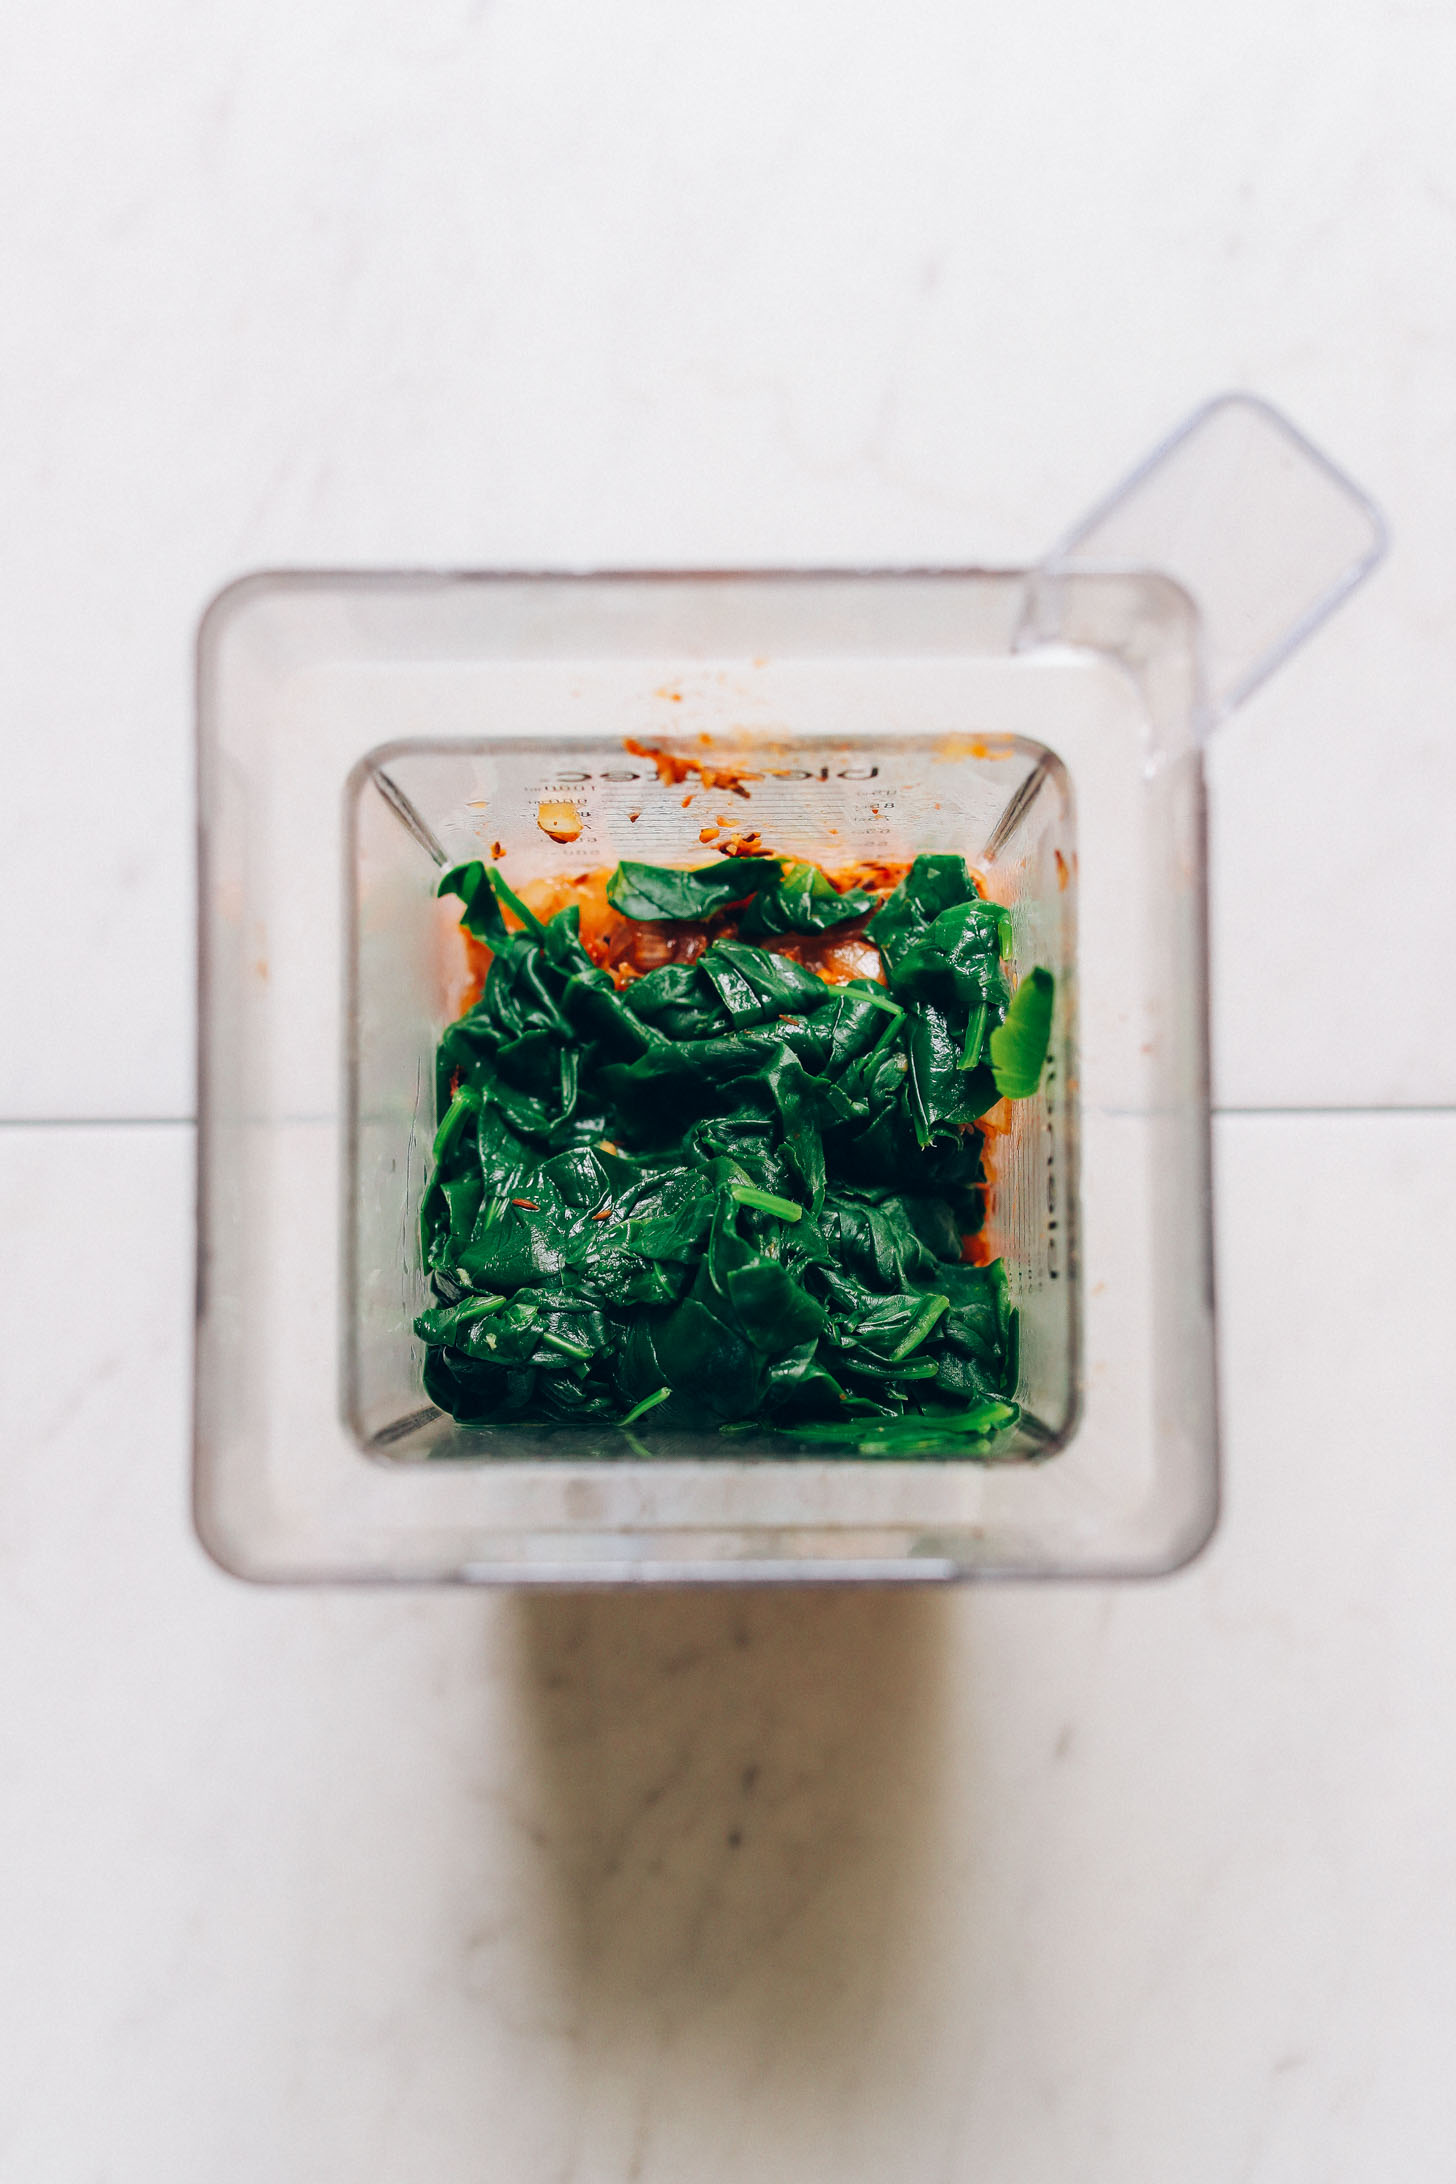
(654, 892)
(1019, 1045)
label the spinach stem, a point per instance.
(467, 1101)
(919, 1327)
(507, 894)
(479, 1307)
(975, 1034)
(570, 1349)
(748, 1194)
(648, 1402)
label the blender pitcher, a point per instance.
(358, 732)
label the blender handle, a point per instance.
(1265, 533)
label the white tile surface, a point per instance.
(1025, 1884)
(368, 281)
(1092, 1883)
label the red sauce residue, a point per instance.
(674, 767)
(996, 1121)
(477, 962)
(876, 875)
(1062, 873)
(639, 945)
(835, 957)
(497, 850)
(975, 1251)
(629, 947)
(986, 1185)
(742, 842)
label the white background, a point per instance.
(1019, 1885)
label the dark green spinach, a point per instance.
(729, 1196)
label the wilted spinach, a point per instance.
(729, 1195)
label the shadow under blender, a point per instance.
(738, 1793)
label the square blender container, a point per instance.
(359, 732)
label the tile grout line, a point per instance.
(98, 1122)
(189, 1122)
(1377, 1107)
